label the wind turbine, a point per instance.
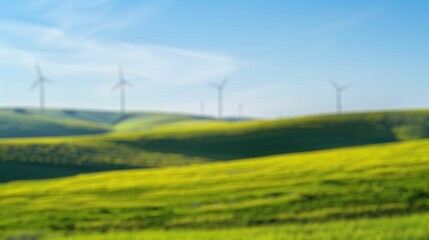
(122, 84)
(339, 89)
(202, 107)
(40, 81)
(219, 87)
(240, 109)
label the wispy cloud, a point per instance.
(348, 22)
(65, 47)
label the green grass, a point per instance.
(261, 138)
(37, 158)
(160, 139)
(101, 117)
(415, 227)
(28, 125)
(36, 146)
(360, 182)
(27, 122)
(144, 122)
(378, 190)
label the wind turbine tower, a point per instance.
(339, 89)
(122, 84)
(202, 108)
(240, 109)
(40, 82)
(219, 87)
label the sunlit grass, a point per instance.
(414, 227)
(303, 192)
(161, 139)
(307, 187)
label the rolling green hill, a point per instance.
(143, 122)
(32, 125)
(26, 122)
(102, 117)
(142, 140)
(35, 158)
(351, 183)
(313, 188)
(261, 138)
(37, 146)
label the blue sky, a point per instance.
(279, 55)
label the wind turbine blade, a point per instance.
(335, 85)
(38, 70)
(214, 85)
(120, 72)
(48, 80)
(224, 82)
(346, 86)
(128, 83)
(116, 86)
(34, 84)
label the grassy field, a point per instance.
(25, 122)
(359, 182)
(144, 122)
(415, 227)
(344, 176)
(37, 158)
(35, 146)
(262, 138)
(32, 125)
(159, 139)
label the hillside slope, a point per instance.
(225, 141)
(372, 181)
(101, 117)
(27, 122)
(33, 125)
(141, 122)
(36, 158)
(144, 140)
